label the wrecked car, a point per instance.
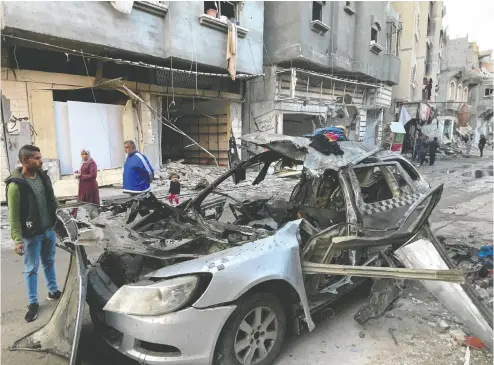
(222, 281)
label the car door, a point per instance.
(61, 334)
(386, 198)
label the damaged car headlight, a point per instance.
(155, 299)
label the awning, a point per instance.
(397, 128)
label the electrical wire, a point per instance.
(167, 122)
(171, 59)
(131, 63)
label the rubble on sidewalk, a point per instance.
(478, 264)
(449, 151)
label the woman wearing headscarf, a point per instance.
(88, 186)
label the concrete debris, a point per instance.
(478, 266)
(448, 151)
(467, 357)
(457, 298)
(458, 335)
(443, 325)
(202, 184)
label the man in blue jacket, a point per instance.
(137, 173)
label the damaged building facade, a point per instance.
(420, 53)
(94, 74)
(326, 63)
(465, 89)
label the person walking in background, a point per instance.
(174, 191)
(32, 214)
(433, 148)
(138, 173)
(88, 186)
(468, 143)
(421, 149)
(482, 142)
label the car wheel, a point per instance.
(254, 333)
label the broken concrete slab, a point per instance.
(422, 254)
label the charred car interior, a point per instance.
(236, 276)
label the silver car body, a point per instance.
(194, 330)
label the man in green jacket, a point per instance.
(32, 215)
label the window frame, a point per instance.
(459, 93)
(465, 94)
(486, 94)
(236, 8)
(452, 86)
(393, 42)
(318, 25)
(374, 45)
(320, 3)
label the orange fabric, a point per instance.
(231, 50)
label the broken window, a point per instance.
(320, 200)
(383, 194)
(402, 185)
(372, 184)
(218, 9)
(488, 91)
(317, 10)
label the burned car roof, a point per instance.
(298, 148)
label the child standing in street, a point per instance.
(174, 191)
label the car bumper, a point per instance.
(185, 337)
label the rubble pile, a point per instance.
(197, 177)
(190, 175)
(479, 266)
(448, 151)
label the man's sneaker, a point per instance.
(55, 296)
(32, 312)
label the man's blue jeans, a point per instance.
(39, 247)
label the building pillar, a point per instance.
(149, 124)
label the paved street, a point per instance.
(464, 215)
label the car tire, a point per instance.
(264, 342)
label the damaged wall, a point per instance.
(207, 122)
(259, 111)
(151, 140)
(17, 118)
(290, 36)
(177, 32)
(29, 94)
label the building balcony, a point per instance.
(391, 69)
(144, 33)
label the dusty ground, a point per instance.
(464, 215)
